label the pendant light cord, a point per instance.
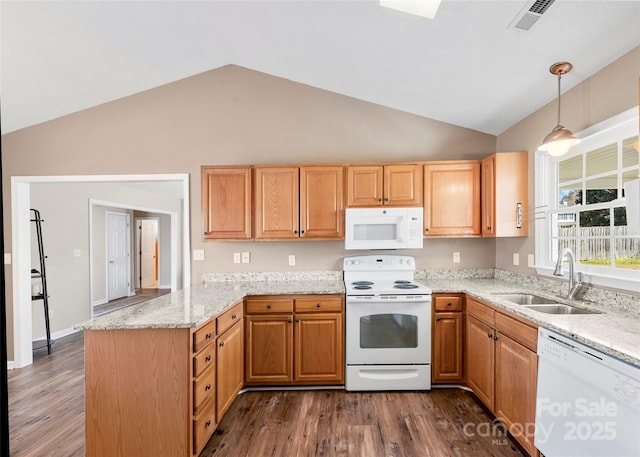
(559, 76)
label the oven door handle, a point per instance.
(399, 373)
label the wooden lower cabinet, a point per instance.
(230, 369)
(319, 348)
(502, 367)
(447, 329)
(294, 340)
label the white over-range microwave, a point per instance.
(383, 228)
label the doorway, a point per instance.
(118, 255)
(148, 255)
(180, 275)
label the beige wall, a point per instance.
(232, 115)
(612, 90)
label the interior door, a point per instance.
(148, 253)
(118, 255)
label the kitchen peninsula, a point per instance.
(144, 364)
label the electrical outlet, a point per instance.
(516, 258)
(531, 263)
(77, 252)
(292, 260)
(246, 257)
(198, 254)
(236, 257)
(7, 258)
(456, 257)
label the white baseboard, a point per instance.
(100, 302)
(60, 334)
(10, 364)
(164, 286)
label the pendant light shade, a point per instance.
(561, 139)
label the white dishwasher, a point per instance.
(588, 403)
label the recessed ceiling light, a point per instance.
(424, 8)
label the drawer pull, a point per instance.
(208, 387)
(233, 316)
(222, 343)
(268, 306)
(207, 424)
(317, 305)
(207, 336)
(207, 358)
(449, 304)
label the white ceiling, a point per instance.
(467, 67)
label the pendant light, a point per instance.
(560, 140)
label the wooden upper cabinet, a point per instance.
(403, 185)
(389, 185)
(226, 202)
(505, 196)
(452, 198)
(322, 202)
(276, 202)
(364, 185)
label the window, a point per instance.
(588, 201)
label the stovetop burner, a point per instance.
(402, 281)
(362, 287)
(362, 283)
(406, 285)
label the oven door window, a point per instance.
(388, 331)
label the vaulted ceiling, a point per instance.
(469, 66)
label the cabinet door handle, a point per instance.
(207, 424)
(438, 319)
(295, 231)
(222, 343)
(426, 229)
(297, 320)
(207, 358)
(379, 199)
(208, 387)
(301, 232)
(386, 199)
(495, 338)
(289, 321)
(489, 335)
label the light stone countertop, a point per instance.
(194, 306)
(615, 332)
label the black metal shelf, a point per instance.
(42, 275)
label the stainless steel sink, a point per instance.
(526, 299)
(559, 308)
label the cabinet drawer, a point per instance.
(276, 305)
(519, 331)
(482, 312)
(228, 318)
(203, 426)
(320, 304)
(204, 335)
(204, 359)
(203, 388)
(447, 302)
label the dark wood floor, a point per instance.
(46, 418)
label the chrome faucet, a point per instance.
(575, 281)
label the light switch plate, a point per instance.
(292, 260)
(246, 257)
(198, 254)
(531, 261)
(456, 257)
(7, 258)
(516, 258)
(236, 257)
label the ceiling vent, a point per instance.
(530, 14)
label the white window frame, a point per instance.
(611, 130)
